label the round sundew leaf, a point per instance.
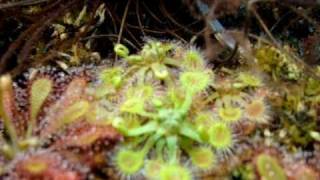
(220, 136)
(40, 90)
(133, 105)
(121, 50)
(269, 168)
(193, 60)
(255, 111)
(160, 70)
(230, 114)
(202, 157)
(174, 172)
(112, 76)
(152, 168)
(129, 162)
(195, 81)
(36, 167)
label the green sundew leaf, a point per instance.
(74, 112)
(129, 162)
(195, 81)
(193, 60)
(188, 131)
(202, 157)
(40, 90)
(133, 105)
(121, 50)
(176, 97)
(152, 168)
(172, 143)
(147, 128)
(220, 136)
(174, 172)
(134, 58)
(269, 168)
(112, 76)
(160, 70)
(119, 124)
(230, 114)
(202, 121)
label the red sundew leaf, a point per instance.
(75, 91)
(8, 111)
(46, 165)
(8, 106)
(88, 136)
(39, 92)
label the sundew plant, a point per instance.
(172, 108)
(159, 90)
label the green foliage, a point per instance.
(195, 82)
(174, 172)
(230, 113)
(162, 103)
(121, 50)
(129, 162)
(278, 63)
(39, 92)
(220, 136)
(202, 157)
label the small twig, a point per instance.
(110, 36)
(21, 3)
(138, 17)
(262, 24)
(124, 17)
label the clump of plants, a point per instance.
(172, 108)
(248, 110)
(43, 121)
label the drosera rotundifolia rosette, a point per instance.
(173, 108)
